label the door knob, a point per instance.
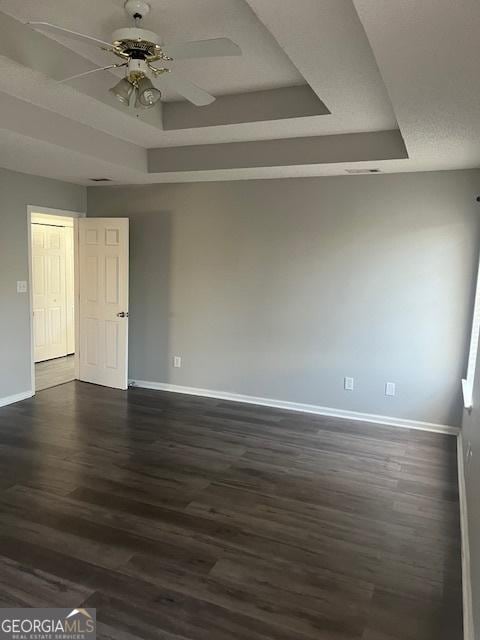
(122, 314)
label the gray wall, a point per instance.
(471, 433)
(280, 288)
(17, 190)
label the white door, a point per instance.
(70, 288)
(103, 309)
(48, 288)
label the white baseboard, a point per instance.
(296, 406)
(468, 632)
(15, 398)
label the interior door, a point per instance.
(103, 308)
(70, 288)
(48, 288)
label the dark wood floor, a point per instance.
(188, 518)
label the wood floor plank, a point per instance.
(54, 372)
(189, 518)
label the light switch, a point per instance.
(21, 286)
(390, 389)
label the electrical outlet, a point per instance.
(390, 389)
(21, 286)
(348, 384)
(177, 361)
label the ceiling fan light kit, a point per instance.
(139, 48)
(122, 91)
(148, 95)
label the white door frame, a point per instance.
(65, 213)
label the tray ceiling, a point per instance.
(318, 70)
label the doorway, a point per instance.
(52, 236)
(78, 298)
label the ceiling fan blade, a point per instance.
(216, 47)
(187, 89)
(81, 37)
(87, 73)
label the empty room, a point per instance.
(239, 320)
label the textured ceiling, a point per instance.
(377, 66)
(429, 53)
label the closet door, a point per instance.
(48, 287)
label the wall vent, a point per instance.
(359, 171)
(100, 179)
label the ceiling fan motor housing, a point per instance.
(136, 43)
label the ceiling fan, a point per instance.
(138, 50)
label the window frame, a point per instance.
(468, 381)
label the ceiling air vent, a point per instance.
(100, 179)
(359, 171)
